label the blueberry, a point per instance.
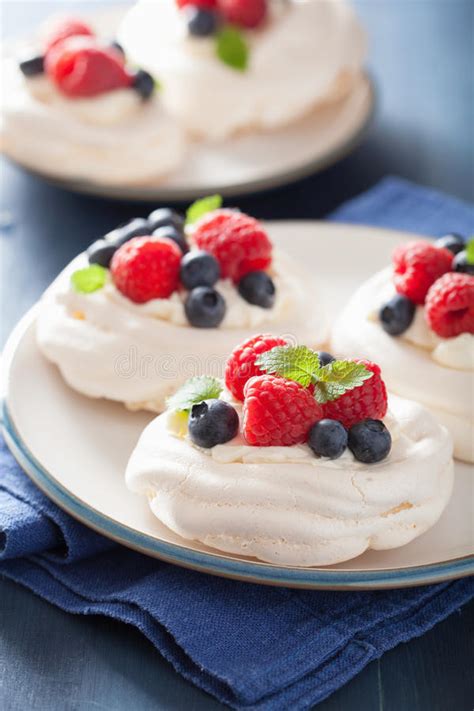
(32, 66)
(136, 227)
(101, 252)
(257, 288)
(328, 438)
(164, 217)
(212, 422)
(199, 268)
(143, 83)
(204, 307)
(369, 441)
(325, 358)
(460, 263)
(454, 242)
(200, 22)
(174, 234)
(397, 314)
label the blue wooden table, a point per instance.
(421, 58)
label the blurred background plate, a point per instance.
(76, 448)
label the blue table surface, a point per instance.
(421, 58)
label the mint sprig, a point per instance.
(201, 207)
(89, 279)
(302, 365)
(194, 391)
(232, 48)
(470, 251)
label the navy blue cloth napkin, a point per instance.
(252, 647)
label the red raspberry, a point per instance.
(237, 241)
(204, 4)
(449, 307)
(64, 29)
(278, 412)
(416, 266)
(367, 400)
(146, 268)
(80, 68)
(246, 13)
(240, 365)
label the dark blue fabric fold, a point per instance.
(252, 647)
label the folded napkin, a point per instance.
(251, 646)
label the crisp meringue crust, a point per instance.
(308, 52)
(417, 365)
(107, 346)
(114, 138)
(291, 509)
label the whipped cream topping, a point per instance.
(285, 506)
(113, 138)
(107, 346)
(417, 365)
(319, 43)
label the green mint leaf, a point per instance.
(470, 251)
(194, 391)
(89, 279)
(302, 365)
(200, 207)
(336, 378)
(231, 48)
(297, 363)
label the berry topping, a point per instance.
(416, 266)
(101, 252)
(257, 288)
(204, 307)
(328, 438)
(240, 365)
(278, 412)
(65, 29)
(136, 227)
(464, 261)
(200, 22)
(238, 242)
(245, 13)
(325, 358)
(397, 314)
(454, 242)
(360, 402)
(80, 68)
(32, 66)
(199, 268)
(208, 4)
(449, 308)
(143, 83)
(174, 233)
(370, 441)
(165, 217)
(212, 422)
(146, 268)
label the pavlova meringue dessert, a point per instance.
(233, 65)
(416, 318)
(74, 108)
(299, 459)
(156, 301)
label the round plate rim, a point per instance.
(211, 563)
(257, 185)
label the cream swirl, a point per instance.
(107, 346)
(417, 365)
(319, 43)
(114, 138)
(286, 506)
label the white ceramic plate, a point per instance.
(246, 163)
(76, 448)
